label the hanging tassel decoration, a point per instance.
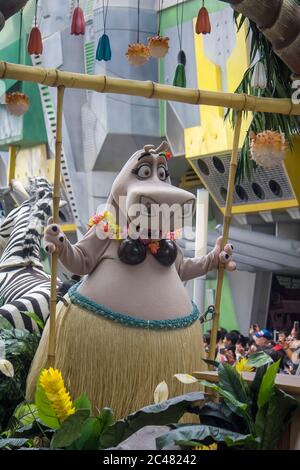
(78, 22)
(180, 77)
(35, 43)
(259, 77)
(203, 23)
(103, 49)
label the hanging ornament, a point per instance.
(138, 54)
(78, 22)
(203, 23)
(158, 45)
(180, 77)
(35, 44)
(17, 103)
(268, 148)
(259, 76)
(104, 50)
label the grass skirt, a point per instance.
(115, 365)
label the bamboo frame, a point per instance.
(56, 198)
(147, 89)
(226, 226)
(150, 90)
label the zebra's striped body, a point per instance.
(24, 287)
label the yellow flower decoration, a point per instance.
(241, 366)
(52, 382)
(213, 446)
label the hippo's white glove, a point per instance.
(53, 237)
(223, 256)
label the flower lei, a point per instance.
(107, 223)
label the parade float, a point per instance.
(249, 404)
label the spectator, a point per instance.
(282, 337)
(263, 339)
(230, 339)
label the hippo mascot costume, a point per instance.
(129, 324)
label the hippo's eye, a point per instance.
(162, 173)
(143, 171)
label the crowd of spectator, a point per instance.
(279, 345)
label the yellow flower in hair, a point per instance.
(52, 382)
(241, 366)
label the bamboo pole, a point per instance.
(147, 89)
(12, 157)
(56, 198)
(226, 226)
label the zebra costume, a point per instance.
(24, 287)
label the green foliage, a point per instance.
(166, 412)
(20, 347)
(45, 409)
(33, 316)
(279, 85)
(187, 436)
(70, 430)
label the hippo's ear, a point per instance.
(164, 146)
(149, 147)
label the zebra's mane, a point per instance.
(41, 207)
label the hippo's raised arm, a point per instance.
(80, 258)
(190, 268)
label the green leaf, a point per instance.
(26, 413)
(233, 382)
(89, 436)
(273, 418)
(45, 410)
(35, 318)
(267, 384)
(237, 406)
(106, 418)
(5, 324)
(202, 434)
(166, 412)
(259, 359)
(92, 430)
(70, 430)
(82, 402)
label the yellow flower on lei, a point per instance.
(52, 382)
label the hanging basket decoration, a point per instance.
(158, 46)
(35, 43)
(78, 22)
(203, 22)
(180, 77)
(259, 77)
(138, 54)
(103, 50)
(268, 148)
(17, 103)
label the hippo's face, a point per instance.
(144, 187)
